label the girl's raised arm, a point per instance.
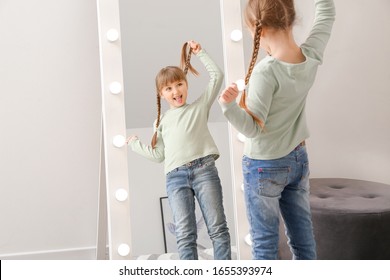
(320, 33)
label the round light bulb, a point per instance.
(123, 250)
(119, 141)
(236, 35)
(240, 84)
(243, 187)
(115, 87)
(248, 239)
(112, 35)
(121, 194)
(241, 137)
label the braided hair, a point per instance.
(185, 61)
(255, 52)
(275, 14)
(171, 74)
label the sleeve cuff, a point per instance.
(226, 106)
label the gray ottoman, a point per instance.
(351, 220)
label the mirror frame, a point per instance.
(233, 54)
(114, 172)
(114, 165)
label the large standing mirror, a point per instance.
(152, 34)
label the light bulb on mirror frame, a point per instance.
(112, 35)
(241, 137)
(115, 87)
(240, 84)
(248, 239)
(119, 141)
(236, 35)
(121, 195)
(123, 250)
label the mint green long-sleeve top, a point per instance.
(183, 134)
(277, 92)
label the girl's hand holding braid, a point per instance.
(195, 47)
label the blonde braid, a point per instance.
(154, 139)
(185, 61)
(256, 47)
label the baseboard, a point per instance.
(87, 253)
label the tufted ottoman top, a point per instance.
(349, 196)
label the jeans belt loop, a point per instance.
(302, 144)
(191, 163)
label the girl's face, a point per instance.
(175, 93)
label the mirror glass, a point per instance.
(152, 34)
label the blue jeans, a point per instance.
(274, 187)
(198, 178)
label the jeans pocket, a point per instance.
(305, 176)
(305, 171)
(246, 165)
(272, 180)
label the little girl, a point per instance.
(183, 140)
(275, 163)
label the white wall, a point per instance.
(348, 108)
(50, 128)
